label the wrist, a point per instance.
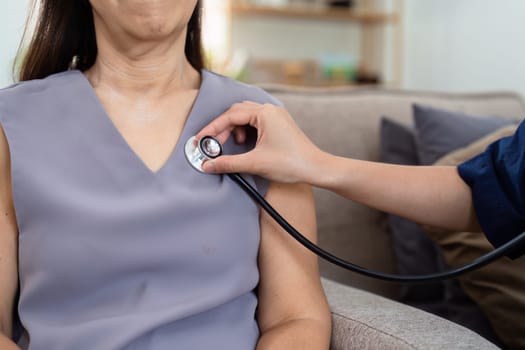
(319, 171)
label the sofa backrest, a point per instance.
(345, 122)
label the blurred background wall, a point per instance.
(464, 45)
(12, 17)
(445, 45)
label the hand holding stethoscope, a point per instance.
(282, 153)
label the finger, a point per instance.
(247, 103)
(239, 134)
(240, 163)
(230, 119)
(223, 136)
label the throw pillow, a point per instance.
(398, 143)
(414, 250)
(498, 288)
(439, 132)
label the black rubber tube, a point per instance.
(476, 264)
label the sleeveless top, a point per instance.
(113, 255)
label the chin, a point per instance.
(144, 19)
(151, 27)
(159, 29)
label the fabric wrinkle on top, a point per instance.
(113, 255)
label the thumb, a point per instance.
(228, 164)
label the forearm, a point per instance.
(434, 196)
(296, 334)
(8, 282)
(7, 344)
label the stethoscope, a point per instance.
(209, 148)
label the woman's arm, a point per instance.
(8, 248)
(293, 312)
(7, 344)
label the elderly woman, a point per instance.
(111, 238)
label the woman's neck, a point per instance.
(145, 69)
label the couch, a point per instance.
(345, 122)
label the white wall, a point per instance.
(464, 45)
(13, 14)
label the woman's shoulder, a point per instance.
(30, 87)
(32, 97)
(239, 90)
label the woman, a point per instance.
(120, 243)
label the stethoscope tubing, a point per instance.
(452, 273)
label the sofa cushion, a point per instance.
(499, 288)
(363, 320)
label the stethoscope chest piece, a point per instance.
(198, 152)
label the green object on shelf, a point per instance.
(338, 67)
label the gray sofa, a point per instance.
(346, 122)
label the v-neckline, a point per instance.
(122, 140)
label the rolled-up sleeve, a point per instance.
(497, 180)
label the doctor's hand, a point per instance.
(282, 152)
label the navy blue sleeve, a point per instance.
(497, 180)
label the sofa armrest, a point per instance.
(362, 320)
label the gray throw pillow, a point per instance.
(414, 250)
(398, 143)
(439, 132)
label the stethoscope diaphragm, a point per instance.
(197, 152)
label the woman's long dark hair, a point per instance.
(64, 35)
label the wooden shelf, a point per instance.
(319, 13)
(367, 19)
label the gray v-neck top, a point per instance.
(113, 255)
